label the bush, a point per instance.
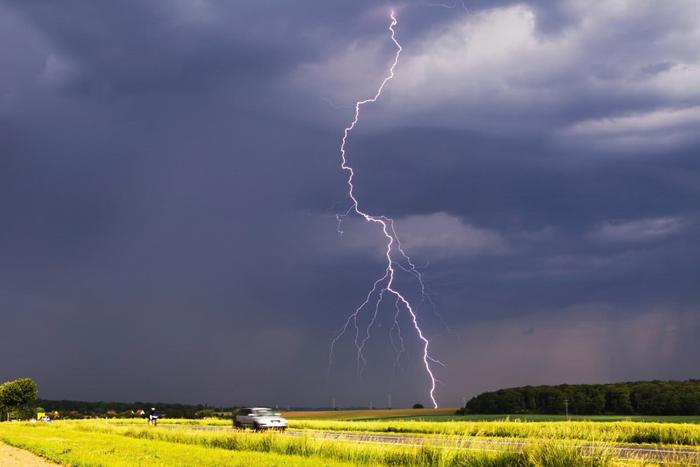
(206, 413)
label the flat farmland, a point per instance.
(450, 414)
(370, 414)
(361, 438)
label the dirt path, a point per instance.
(11, 457)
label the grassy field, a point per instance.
(680, 434)
(69, 445)
(370, 414)
(90, 443)
(449, 414)
(560, 418)
(121, 442)
(667, 432)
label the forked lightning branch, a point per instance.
(395, 256)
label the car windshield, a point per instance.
(264, 412)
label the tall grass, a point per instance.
(683, 434)
(98, 443)
(69, 446)
(162, 421)
(538, 454)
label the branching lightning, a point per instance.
(385, 284)
(400, 348)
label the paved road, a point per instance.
(688, 456)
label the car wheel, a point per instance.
(257, 427)
(237, 424)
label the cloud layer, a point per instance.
(626, 72)
(169, 180)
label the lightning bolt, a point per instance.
(400, 348)
(385, 284)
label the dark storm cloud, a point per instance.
(140, 47)
(169, 179)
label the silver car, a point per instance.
(259, 418)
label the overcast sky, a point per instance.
(169, 180)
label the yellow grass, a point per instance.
(681, 434)
(68, 446)
(101, 442)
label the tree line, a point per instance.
(83, 409)
(18, 400)
(639, 397)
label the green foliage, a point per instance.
(644, 398)
(14, 395)
(418, 406)
(82, 409)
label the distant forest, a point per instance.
(640, 398)
(81, 409)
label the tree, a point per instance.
(640, 397)
(15, 394)
(618, 400)
(417, 406)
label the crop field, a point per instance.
(321, 440)
(371, 414)
(449, 414)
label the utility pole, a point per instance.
(464, 401)
(566, 408)
(334, 403)
(371, 405)
(389, 397)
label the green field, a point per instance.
(85, 446)
(448, 414)
(177, 442)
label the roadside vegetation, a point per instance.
(69, 446)
(634, 432)
(681, 434)
(120, 442)
(94, 443)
